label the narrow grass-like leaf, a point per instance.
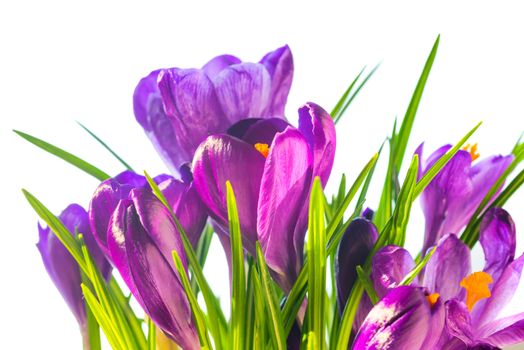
(367, 284)
(385, 207)
(238, 298)
(102, 319)
(123, 162)
(68, 157)
(338, 107)
(316, 252)
(259, 333)
(439, 164)
(298, 291)
(352, 97)
(151, 335)
(198, 315)
(409, 117)
(250, 304)
(271, 302)
(396, 232)
(93, 329)
(416, 270)
(348, 316)
(216, 317)
(201, 252)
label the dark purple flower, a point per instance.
(473, 300)
(62, 267)
(271, 166)
(181, 196)
(355, 246)
(405, 318)
(179, 108)
(454, 194)
(141, 238)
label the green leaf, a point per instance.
(347, 101)
(298, 291)
(238, 298)
(409, 117)
(259, 334)
(416, 270)
(316, 253)
(93, 329)
(249, 317)
(367, 284)
(127, 166)
(270, 299)
(198, 315)
(151, 335)
(348, 316)
(216, 317)
(68, 157)
(341, 102)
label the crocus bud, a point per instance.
(62, 267)
(141, 238)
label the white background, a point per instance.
(71, 60)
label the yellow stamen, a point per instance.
(476, 286)
(263, 148)
(433, 298)
(472, 149)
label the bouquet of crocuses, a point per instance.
(304, 271)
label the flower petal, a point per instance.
(458, 321)
(511, 335)
(224, 158)
(450, 263)
(498, 240)
(390, 265)
(264, 130)
(243, 91)
(502, 292)
(284, 188)
(356, 244)
(498, 325)
(157, 284)
(192, 106)
(401, 320)
(218, 64)
(317, 127)
(279, 64)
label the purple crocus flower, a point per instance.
(271, 166)
(141, 237)
(179, 108)
(454, 194)
(405, 318)
(62, 267)
(181, 195)
(355, 246)
(473, 300)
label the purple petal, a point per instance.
(510, 335)
(279, 64)
(450, 263)
(390, 265)
(243, 91)
(187, 206)
(353, 250)
(502, 292)
(192, 106)
(218, 64)
(104, 201)
(157, 284)
(483, 176)
(498, 240)
(401, 320)
(222, 158)
(317, 127)
(284, 188)
(498, 325)
(458, 321)
(150, 114)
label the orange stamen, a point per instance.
(472, 149)
(476, 286)
(433, 298)
(263, 148)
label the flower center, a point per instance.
(472, 149)
(476, 286)
(263, 148)
(433, 298)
